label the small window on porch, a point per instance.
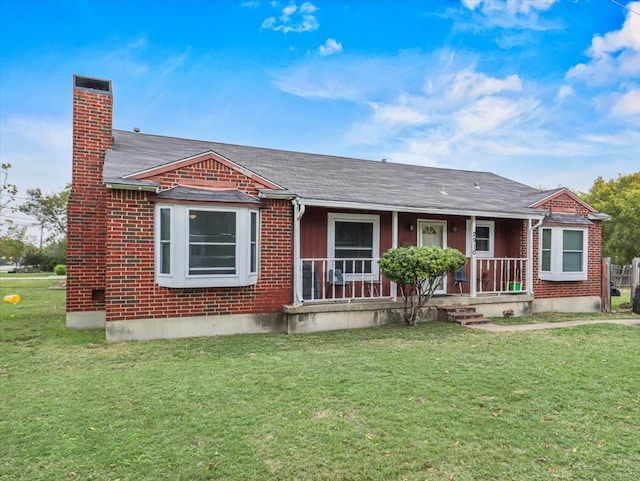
(484, 238)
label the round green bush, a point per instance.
(60, 270)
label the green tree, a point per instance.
(8, 192)
(49, 210)
(418, 271)
(620, 198)
(14, 245)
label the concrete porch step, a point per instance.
(463, 315)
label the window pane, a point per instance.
(546, 261)
(212, 242)
(165, 224)
(212, 259)
(357, 264)
(572, 240)
(546, 238)
(572, 262)
(482, 245)
(482, 232)
(253, 265)
(165, 258)
(482, 238)
(354, 234)
(208, 227)
(165, 241)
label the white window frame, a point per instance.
(159, 241)
(556, 273)
(334, 217)
(492, 235)
(179, 276)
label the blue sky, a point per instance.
(545, 92)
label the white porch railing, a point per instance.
(326, 279)
(330, 279)
(501, 275)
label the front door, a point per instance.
(433, 233)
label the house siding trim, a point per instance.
(346, 205)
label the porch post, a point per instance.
(530, 257)
(530, 230)
(394, 244)
(298, 212)
(474, 270)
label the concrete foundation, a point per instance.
(86, 320)
(568, 304)
(179, 327)
(318, 317)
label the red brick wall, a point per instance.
(590, 287)
(132, 291)
(86, 228)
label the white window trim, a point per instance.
(492, 235)
(334, 217)
(158, 255)
(556, 273)
(179, 235)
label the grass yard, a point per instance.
(433, 402)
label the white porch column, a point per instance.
(529, 257)
(298, 212)
(394, 244)
(474, 269)
(530, 229)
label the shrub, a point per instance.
(60, 270)
(418, 271)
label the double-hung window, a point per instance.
(354, 245)
(204, 246)
(484, 236)
(563, 253)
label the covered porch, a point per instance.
(337, 248)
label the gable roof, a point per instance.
(332, 180)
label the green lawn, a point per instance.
(433, 402)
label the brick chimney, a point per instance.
(86, 211)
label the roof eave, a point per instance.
(539, 215)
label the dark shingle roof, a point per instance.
(335, 179)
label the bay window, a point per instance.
(206, 246)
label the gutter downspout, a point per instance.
(474, 268)
(394, 244)
(298, 212)
(530, 229)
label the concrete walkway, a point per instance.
(552, 325)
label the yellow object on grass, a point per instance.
(11, 299)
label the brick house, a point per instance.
(171, 237)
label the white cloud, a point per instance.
(564, 91)
(509, 14)
(490, 114)
(469, 85)
(613, 56)
(293, 19)
(627, 105)
(330, 47)
(512, 7)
